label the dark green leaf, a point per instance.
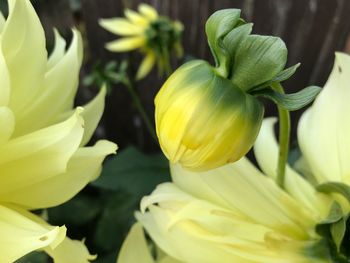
(78, 211)
(218, 25)
(335, 187)
(258, 59)
(291, 102)
(134, 172)
(115, 220)
(34, 257)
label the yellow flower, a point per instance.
(324, 129)
(42, 159)
(153, 35)
(202, 121)
(236, 213)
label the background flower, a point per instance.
(155, 36)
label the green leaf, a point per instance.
(335, 187)
(282, 76)
(338, 230)
(258, 59)
(217, 27)
(79, 211)
(293, 101)
(115, 220)
(134, 172)
(34, 257)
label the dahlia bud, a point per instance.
(203, 120)
(207, 116)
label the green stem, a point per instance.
(166, 61)
(284, 136)
(136, 99)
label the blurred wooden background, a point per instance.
(312, 29)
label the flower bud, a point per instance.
(203, 121)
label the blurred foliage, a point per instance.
(107, 74)
(104, 211)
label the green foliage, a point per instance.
(291, 102)
(134, 172)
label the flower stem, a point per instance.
(284, 136)
(166, 61)
(137, 102)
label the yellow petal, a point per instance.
(121, 26)
(5, 88)
(239, 186)
(135, 247)
(23, 46)
(35, 157)
(58, 50)
(126, 44)
(148, 11)
(323, 131)
(7, 120)
(57, 94)
(266, 153)
(21, 235)
(70, 251)
(146, 65)
(136, 18)
(92, 114)
(83, 167)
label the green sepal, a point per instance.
(293, 101)
(235, 37)
(335, 187)
(217, 26)
(282, 76)
(338, 230)
(334, 215)
(257, 60)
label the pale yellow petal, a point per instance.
(38, 156)
(7, 120)
(323, 131)
(83, 167)
(23, 46)
(146, 65)
(2, 21)
(148, 11)
(135, 248)
(70, 251)
(239, 186)
(121, 26)
(5, 88)
(126, 44)
(266, 153)
(58, 50)
(92, 114)
(57, 94)
(136, 18)
(21, 235)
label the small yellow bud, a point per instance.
(203, 121)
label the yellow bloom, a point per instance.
(324, 129)
(236, 213)
(202, 121)
(154, 35)
(42, 159)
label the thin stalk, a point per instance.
(137, 102)
(284, 136)
(166, 61)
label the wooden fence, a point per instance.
(312, 29)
